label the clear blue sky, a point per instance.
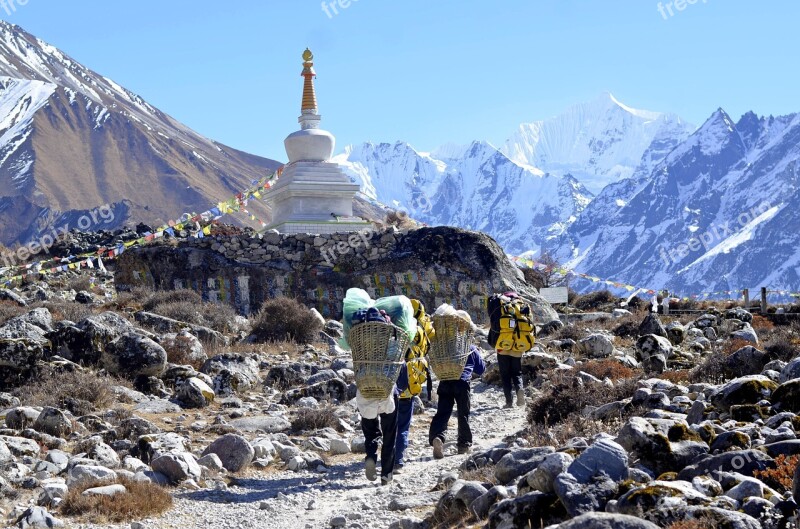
(427, 71)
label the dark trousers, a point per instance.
(452, 393)
(383, 427)
(511, 374)
(405, 410)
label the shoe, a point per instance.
(369, 468)
(398, 469)
(385, 480)
(438, 448)
(509, 405)
(520, 398)
(463, 449)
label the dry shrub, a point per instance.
(703, 523)
(783, 473)
(734, 345)
(187, 306)
(81, 391)
(143, 499)
(607, 369)
(760, 323)
(574, 426)
(713, 370)
(570, 396)
(80, 283)
(9, 309)
(164, 297)
(285, 319)
(65, 310)
(307, 420)
(680, 376)
(570, 332)
(602, 299)
(484, 474)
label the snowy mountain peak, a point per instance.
(598, 142)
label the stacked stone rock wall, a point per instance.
(435, 265)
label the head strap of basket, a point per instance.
(450, 346)
(378, 355)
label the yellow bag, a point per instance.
(416, 363)
(516, 329)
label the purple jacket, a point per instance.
(475, 364)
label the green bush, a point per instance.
(285, 319)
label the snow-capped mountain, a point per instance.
(72, 140)
(598, 143)
(532, 189)
(719, 213)
(475, 187)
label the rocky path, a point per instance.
(341, 497)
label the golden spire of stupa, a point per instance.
(309, 95)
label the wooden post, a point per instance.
(747, 299)
(763, 300)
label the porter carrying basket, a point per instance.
(450, 346)
(379, 351)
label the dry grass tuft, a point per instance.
(481, 475)
(607, 369)
(285, 319)
(65, 310)
(713, 370)
(81, 392)
(142, 500)
(308, 420)
(9, 309)
(760, 323)
(680, 376)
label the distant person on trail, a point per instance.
(379, 425)
(458, 393)
(512, 334)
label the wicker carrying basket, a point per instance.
(450, 346)
(378, 355)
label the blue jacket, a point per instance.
(402, 381)
(475, 364)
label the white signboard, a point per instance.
(555, 295)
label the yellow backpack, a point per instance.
(416, 363)
(515, 327)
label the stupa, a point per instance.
(313, 195)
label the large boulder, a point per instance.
(661, 445)
(194, 393)
(98, 331)
(652, 325)
(653, 351)
(744, 390)
(231, 372)
(746, 361)
(603, 457)
(596, 346)
(335, 390)
(534, 509)
(233, 450)
(177, 467)
(745, 462)
(746, 333)
(53, 421)
(602, 520)
(166, 325)
(581, 498)
(185, 347)
(22, 346)
(519, 463)
(132, 355)
(786, 397)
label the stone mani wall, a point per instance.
(435, 265)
